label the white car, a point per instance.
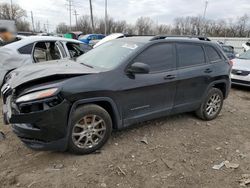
(246, 46)
(241, 70)
(36, 49)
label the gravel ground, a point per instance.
(178, 151)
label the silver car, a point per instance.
(241, 70)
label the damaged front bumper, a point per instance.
(43, 128)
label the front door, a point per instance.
(146, 96)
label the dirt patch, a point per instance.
(180, 152)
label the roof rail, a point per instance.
(128, 35)
(158, 37)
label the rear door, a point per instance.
(47, 51)
(194, 75)
(153, 93)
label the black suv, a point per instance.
(75, 105)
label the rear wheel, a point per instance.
(211, 105)
(90, 129)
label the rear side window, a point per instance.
(212, 54)
(190, 55)
(26, 49)
(159, 57)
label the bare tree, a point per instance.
(84, 24)
(242, 25)
(190, 25)
(163, 29)
(144, 26)
(23, 25)
(62, 28)
(11, 13)
(15, 12)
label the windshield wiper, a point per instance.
(87, 65)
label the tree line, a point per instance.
(190, 25)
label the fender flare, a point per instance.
(222, 81)
(117, 116)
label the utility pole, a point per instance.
(205, 10)
(75, 13)
(32, 19)
(204, 17)
(106, 17)
(91, 15)
(47, 26)
(11, 7)
(44, 28)
(70, 12)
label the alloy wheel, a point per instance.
(213, 105)
(88, 131)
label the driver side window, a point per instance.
(159, 57)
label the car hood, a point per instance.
(48, 69)
(241, 64)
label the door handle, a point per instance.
(169, 77)
(208, 70)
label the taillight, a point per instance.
(231, 63)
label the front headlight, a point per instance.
(37, 95)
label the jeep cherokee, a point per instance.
(75, 105)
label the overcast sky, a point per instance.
(162, 11)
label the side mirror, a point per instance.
(138, 68)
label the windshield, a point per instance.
(84, 36)
(245, 55)
(109, 55)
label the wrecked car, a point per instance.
(37, 49)
(75, 105)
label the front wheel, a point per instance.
(211, 105)
(90, 129)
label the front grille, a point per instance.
(241, 82)
(240, 72)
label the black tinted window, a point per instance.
(212, 54)
(26, 49)
(190, 55)
(159, 57)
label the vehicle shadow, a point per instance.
(242, 88)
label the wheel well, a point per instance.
(108, 107)
(222, 87)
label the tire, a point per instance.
(90, 129)
(203, 111)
